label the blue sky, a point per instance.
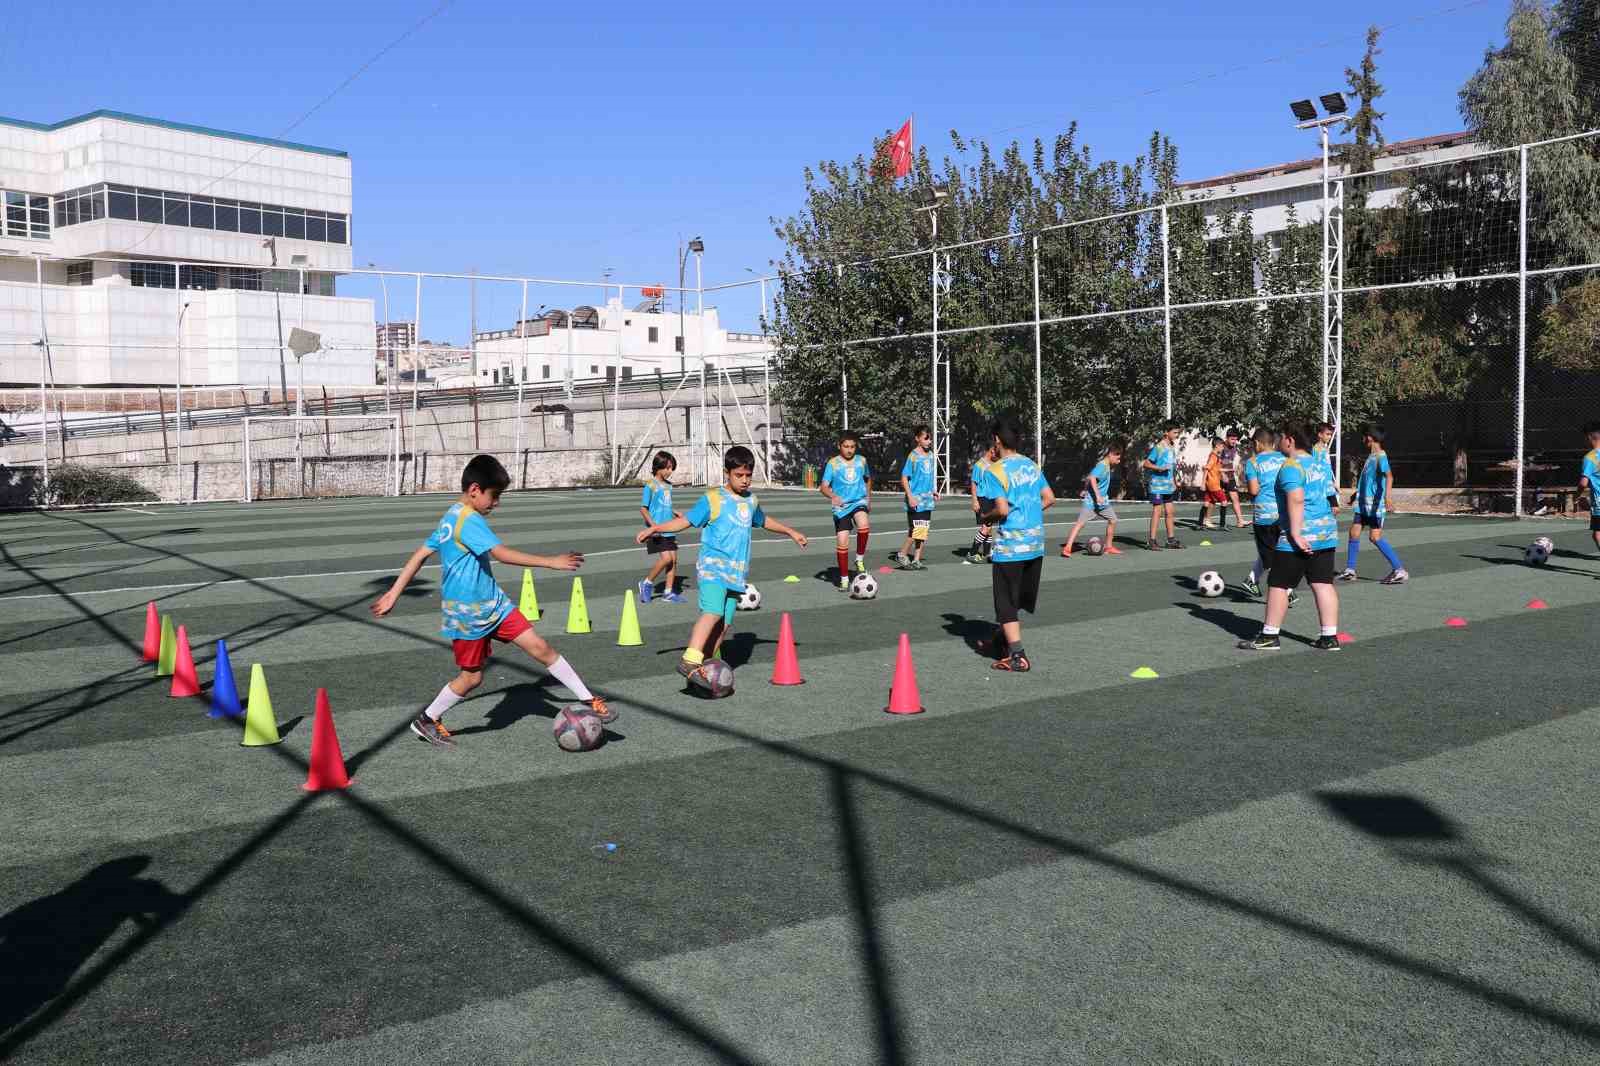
(559, 140)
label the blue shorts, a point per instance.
(1159, 498)
(1368, 520)
(718, 599)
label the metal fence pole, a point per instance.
(44, 374)
(416, 372)
(1522, 322)
(1166, 301)
(522, 329)
(616, 398)
(1038, 363)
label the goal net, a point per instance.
(291, 456)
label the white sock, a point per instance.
(563, 672)
(445, 700)
(1269, 631)
(1330, 631)
(1256, 573)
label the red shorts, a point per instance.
(472, 654)
(1216, 496)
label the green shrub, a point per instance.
(87, 485)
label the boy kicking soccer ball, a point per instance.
(847, 486)
(655, 504)
(727, 514)
(916, 481)
(476, 611)
(1097, 503)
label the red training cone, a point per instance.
(152, 633)
(1455, 622)
(184, 681)
(1344, 638)
(786, 671)
(327, 761)
(903, 696)
(1537, 605)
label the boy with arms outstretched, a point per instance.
(655, 504)
(916, 481)
(1021, 497)
(1371, 502)
(476, 610)
(1162, 462)
(847, 486)
(727, 514)
(1097, 502)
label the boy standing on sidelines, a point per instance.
(1021, 496)
(1215, 497)
(655, 504)
(981, 505)
(476, 610)
(847, 486)
(1232, 470)
(727, 514)
(1308, 538)
(1162, 462)
(1371, 503)
(1261, 476)
(1097, 502)
(1590, 479)
(916, 481)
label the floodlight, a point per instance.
(1303, 110)
(934, 195)
(302, 342)
(697, 245)
(1334, 103)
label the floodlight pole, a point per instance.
(1038, 363)
(416, 363)
(1332, 287)
(1522, 322)
(700, 310)
(178, 403)
(44, 375)
(616, 396)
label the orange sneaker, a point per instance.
(1112, 550)
(605, 715)
(1066, 551)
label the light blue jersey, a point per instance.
(657, 500)
(472, 601)
(918, 472)
(1021, 536)
(1101, 476)
(1325, 454)
(727, 519)
(1591, 470)
(1264, 469)
(1317, 526)
(1373, 486)
(1164, 456)
(847, 479)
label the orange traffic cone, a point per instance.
(184, 681)
(786, 671)
(327, 761)
(152, 633)
(1533, 605)
(903, 696)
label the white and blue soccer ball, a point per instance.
(863, 587)
(575, 729)
(1538, 552)
(750, 598)
(1211, 584)
(714, 678)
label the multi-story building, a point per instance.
(119, 226)
(394, 341)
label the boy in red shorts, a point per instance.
(476, 611)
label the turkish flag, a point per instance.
(900, 151)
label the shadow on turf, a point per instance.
(520, 701)
(973, 632)
(1499, 560)
(1231, 593)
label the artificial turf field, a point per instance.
(1382, 855)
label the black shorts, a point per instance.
(1266, 541)
(985, 505)
(1290, 568)
(1333, 501)
(1367, 520)
(1594, 523)
(848, 521)
(1016, 588)
(658, 544)
(913, 517)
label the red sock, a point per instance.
(843, 555)
(861, 540)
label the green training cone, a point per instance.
(167, 656)
(1144, 673)
(260, 726)
(577, 609)
(530, 599)
(628, 633)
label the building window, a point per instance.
(594, 369)
(26, 215)
(655, 334)
(153, 275)
(678, 342)
(524, 371)
(627, 373)
(80, 273)
(546, 370)
(199, 277)
(611, 373)
(497, 375)
(30, 215)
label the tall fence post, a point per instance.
(44, 374)
(616, 400)
(522, 376)
(1522, 323)
(416, 372)
(1166, 301)
(1038, 363)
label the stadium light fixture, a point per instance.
(1334, 103)
(1304, 110)
(697, 245)
(933, 196)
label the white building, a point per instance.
(593, 343)
(229, 224)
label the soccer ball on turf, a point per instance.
(1211, 584)
(714, 678)
(1536, 555)
(863, 587)
(1096, 546)
(1549, 545)
(576, 729)
(750, 599)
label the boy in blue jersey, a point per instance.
(476, 610)
(1097, 502)
(727, 514)
(1308, 538)
(1021, 496)
(916, 481)
(981, 505)
(1261, 478)
(1323, 450)
(1162, 462)
(847, 486)
(655, 504)
(1589, 479)
(1371, 501)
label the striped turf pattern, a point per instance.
(1384, 855)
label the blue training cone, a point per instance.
(224, 693)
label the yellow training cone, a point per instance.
(530, 599)
(260, 725)
(577, 610)
(167, 657)
(628, 635)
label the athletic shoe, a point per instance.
(1112, 549)
(905, 564)
(1327, 644)
(861, 564)
(1174, 542)
(970, 559)
(1151, 546)
(844, 583)
(602, 713)
(1066, 551)
(687, 668)
(916, 564)
(432, 731)
(1260, 642)
(674, 597)
(897, 558)
(647, 591)
(1251, 588)
(1294, 597)
(1346, 574)
(1396, 577)
(1015, 664)
(1209, 525)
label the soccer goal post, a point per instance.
(294, 456)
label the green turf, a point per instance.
(1069, 866)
